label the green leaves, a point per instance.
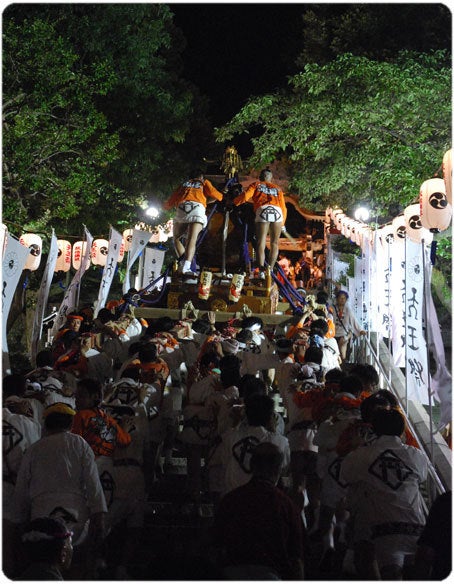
(95, 112)
(355, 129)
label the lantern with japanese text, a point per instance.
(121, 251)
(436, 212)
(415, 231)
(99, 251)
(127, 236)
(447, 174)
(79, 249)
(64, 256)
(35, 245)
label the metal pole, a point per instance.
(225, 230)
(405, 326)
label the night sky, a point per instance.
(237, 50)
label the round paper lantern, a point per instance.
(386, 235)
(64, 256)
(415, 231)
(169, 228)
(99, 251)
(338, 220)
(35, 245)
(154, 236)
(127, 236)
(447, 174)
(399, 229)
(79, 249)
(436, 212)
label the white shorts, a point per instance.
(191, 212)
(269, 214)
(391, 549)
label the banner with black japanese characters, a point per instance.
(70, 299)
(138, 242)
(383, 243)
(415, 344)
(152, 267)
(43, 295)
(397, 304)
(13, 263)
(108, 272)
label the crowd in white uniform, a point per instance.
(217, 402)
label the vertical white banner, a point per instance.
(108, 272)
(138, 242)
(69, 302)
(374, 290)
(366, 286)
(397, 304)
(416, 366)
(13, 263)
(441, 383)
(383, 246)
(43, 295)
(357, 300)
(152, 268)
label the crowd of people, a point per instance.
(304, 272)
(89, 432)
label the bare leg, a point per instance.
(261, 230)
(275, 231)
(193, 232)
(178, 231)
(342, 344)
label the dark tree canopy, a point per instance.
(96, 115)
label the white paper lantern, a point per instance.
(64, 256)
(168, 227)
(399, 229)
(35, 245)
(436, 212)
(386, 235)
(447, 174)
(338, 220)
(99, 251)
(121, 252)
(127, 236)
(415, 231)
(79, 249)
(154, 236)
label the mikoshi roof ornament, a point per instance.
(436, 212)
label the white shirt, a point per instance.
(238, 444)
(384, 479)
(59, 467)
(19, 433)
(345, 321)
